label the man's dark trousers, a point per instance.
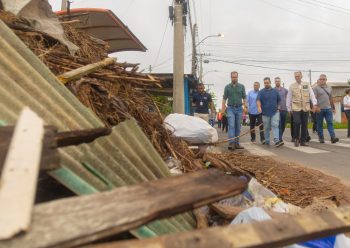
(282, 126)
(219, 123)
(300, 119)
(256, 120)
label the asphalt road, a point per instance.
(331, 159)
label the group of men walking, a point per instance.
(268, 109)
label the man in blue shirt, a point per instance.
(255, 118)
(202, 102)
(268, 102)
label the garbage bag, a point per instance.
(191, 129)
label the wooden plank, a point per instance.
(80, 136)
(49, 156)
(5, 138)
(272, 233)
(52, 140)
(78, 220)
(82, 71)
(226, 211)
(201, 217)
(20, 174)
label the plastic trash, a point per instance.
(249, 215)
(254, 214)
(191, 129)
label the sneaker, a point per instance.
(279, 143)
(296, 142)
(238, 146)
(303, 144)
(334, 140)
(231, 147)
(263, 142)
(321, 140)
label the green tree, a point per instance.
(213, 97)
(164, 104)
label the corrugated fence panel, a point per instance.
(123, 158)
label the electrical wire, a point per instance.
(273, 68)
(332, 5)
(313, 4)
(304, 16)
(161, 43)
(288, 61)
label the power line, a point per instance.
(161, 43)
(273, 68)
(167, 61)
(288, 61)
(332, 5)
(274, 45)
(306, 17)
(314, 3)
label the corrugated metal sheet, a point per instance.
(125, 157)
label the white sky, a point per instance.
(285, 34)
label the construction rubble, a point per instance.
(103, 156)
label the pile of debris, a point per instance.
(290, 182)
(123, 158)
(115, 93)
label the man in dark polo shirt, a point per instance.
(235, 97)
(268, 102)
(202, 102)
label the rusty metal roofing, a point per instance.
(123, 158)
(105, 25)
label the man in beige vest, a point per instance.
(299, 97)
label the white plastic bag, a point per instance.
(191, 129)
(255, 214)
(249, 215)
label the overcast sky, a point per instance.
(280, 35)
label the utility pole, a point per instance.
(310, 77)
(201, 65)
(208, 89)
(194, 51)
(179, 58)
(201, 68)
(64, 5)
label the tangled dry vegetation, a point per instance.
(115, 93)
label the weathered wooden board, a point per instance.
(82, 71)
(49, 156)
(268, 234)
(77, 220)
(20, 174)
(78, 137)
(226, 211)
(52, 140)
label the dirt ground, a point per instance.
(291, 182)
